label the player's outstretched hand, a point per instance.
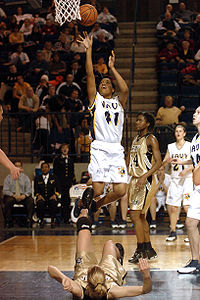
(86, 41)
(111, 62)
(144, 267)
(67, 284)
(177, 161)
(15, 172)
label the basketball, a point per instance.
(88, 15)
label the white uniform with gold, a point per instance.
(107, 162)
(194, 208)
(180, 187)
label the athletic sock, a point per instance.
(140, 246)
(147, 246)
(94, 206)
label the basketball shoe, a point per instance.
(138, 254)
(192, 267)
(121, 251)
(83, 203)
(172, 237)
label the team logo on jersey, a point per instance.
(79, 260)
(121, 171)
(187, 196)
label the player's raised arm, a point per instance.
(123, 88)
(67, 283)
(91, 85)
(132, 291)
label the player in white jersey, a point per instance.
(193, 215)
(181, 185)
(107, 162)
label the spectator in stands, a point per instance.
(107, 20)
(77, 72)
(19, 58)
(42, 88)
(66, 87)
(63, 168)
(167, 57)
(196, 28)
(186, 55)
(187, 37)
(11, 23)
(75, 106)
(20, 16)
(168, 8)
(51, 16)
(45, 100)
(84, 141)
(49, 28)
(41, 139)
(46, 187)
(47, 51)
(37, 68)
(101, 66)
(17, 191)
(102, 46)
(169, 114)
(39, 21)
(197, 56)
(26, 28)
(97, 29)
(167, 26)
(57, 66)
(160, 193)
(36, 36)
(28, 104)
(3, 44)
(65, 38)
(7, 84)
(183, 15)
(19, 90)
(2, 14)
(16, 37)
(96, 4)
(60, 131)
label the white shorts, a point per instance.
(107, 162)
(179, 190)
(194, 208)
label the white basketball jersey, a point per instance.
(195, 149)
(107, 119)
(183, 154)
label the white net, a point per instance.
(67, 10)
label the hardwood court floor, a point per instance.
(26, 254)
(35, 253)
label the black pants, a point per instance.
(9, 201)
(41, 205)
(65, 202)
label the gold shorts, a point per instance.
(141, 199)
(114, 271)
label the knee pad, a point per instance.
(83, 223)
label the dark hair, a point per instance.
(149, 118)
(1, 103)
(111, 80)
(45, 163)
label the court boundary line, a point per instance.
(5, 241)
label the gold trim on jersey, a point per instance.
(94, 102)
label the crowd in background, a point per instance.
(43, 75)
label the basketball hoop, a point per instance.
(67, 10)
